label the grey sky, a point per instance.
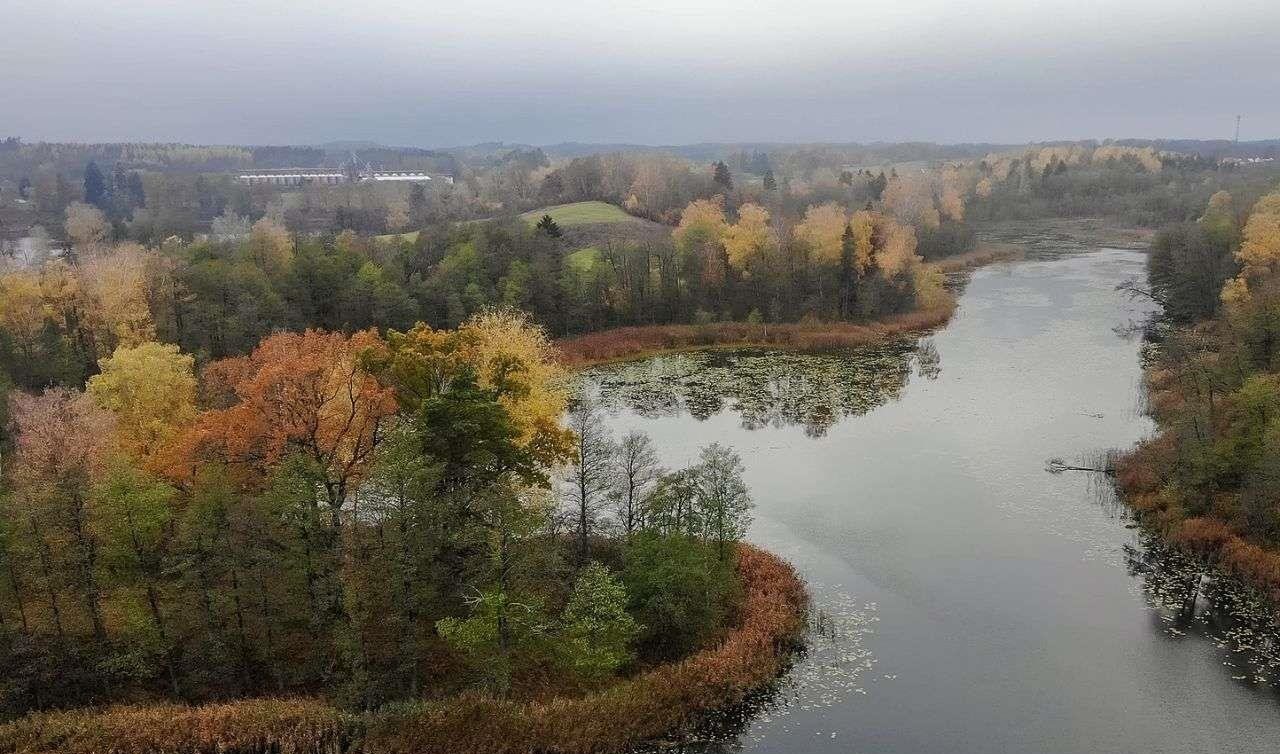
(432, 73)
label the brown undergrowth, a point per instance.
(647, 705)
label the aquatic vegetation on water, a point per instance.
(834, 664)
(1192, 597)
(766, 388)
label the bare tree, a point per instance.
(638, 472)
(593, 476)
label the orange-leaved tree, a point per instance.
(303, 394)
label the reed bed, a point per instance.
(625, 343)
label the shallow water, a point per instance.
(966, 600)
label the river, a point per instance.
(966, 599)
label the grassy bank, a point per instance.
(642, 707)
(987, 252)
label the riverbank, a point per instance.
(644, 341)
(1213, 540)
(650, 704)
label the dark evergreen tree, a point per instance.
(722, 176)
(848, 274)
(417, 202)
(95, 187)
(549, 226)
(770, 183)
(879, 183)
(137, 194)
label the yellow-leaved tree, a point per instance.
(270, 246)
(1259, 252)
(1260, 249)
(702, 223)
(151, 390)
(822, 230)
(505, 351)
(114, 286)
(910, 197)
(22, 309)
(747, 240)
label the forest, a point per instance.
(365, 517)
(1209, 478)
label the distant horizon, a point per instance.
(371, 143)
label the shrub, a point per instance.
(680, 593)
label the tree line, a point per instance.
(1210, 475)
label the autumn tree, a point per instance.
(1260, 249)
(151, 390)
(53, 482)
(269, 246)
(747, 240)
(911, 198)
(303, 393)
(823, 230)
(504, 351)
(114, 290)
(702, 225)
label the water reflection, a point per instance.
(1018, 613)
(1190, 597)
(768, 388)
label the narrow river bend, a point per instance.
(965, 599)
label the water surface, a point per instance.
(965, 599)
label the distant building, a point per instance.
(407, 176)
(350, 172)
(1247, 160)
(291, 177)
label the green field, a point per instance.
(583, 260)
(565, 215)
(580, 213)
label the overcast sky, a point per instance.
(431, 73)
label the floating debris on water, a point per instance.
(1194, 598)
